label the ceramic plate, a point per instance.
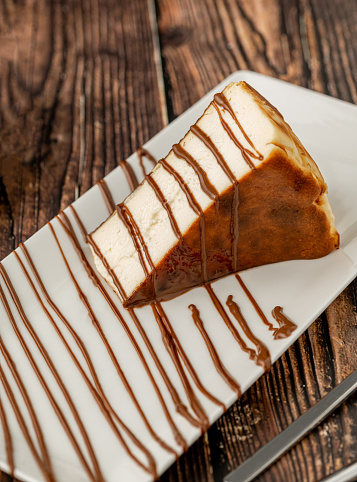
(327, 128)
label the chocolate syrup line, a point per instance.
(221, 100)
(141, 153)
(169, 343)
(23, 427)
(130, 175)
(7, 438)
(48, 361)
(47, 466)
(114, 277)
(185, 358)
(160, 196)
(228, 322)
(221, 369)
(229, 131)
(262, 355)
(193, 203)
(113, 358)
(255, 304)
(205, 183)
(179, 405)
(126, 216)
(188, 193)
(67, 227)
(207, 141)
(96, 391)
(111, 354)
(70, 229)
(286, 326)
(109, 202)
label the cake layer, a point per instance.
(238, 191)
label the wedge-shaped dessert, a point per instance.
(238, 191)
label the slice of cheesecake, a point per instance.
(238, 191)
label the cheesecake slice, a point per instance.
(238, 191)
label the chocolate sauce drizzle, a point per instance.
(139, 242)
(159, 316)
(106, 194)
(97, 475)
(164, 323)
(180, 407)
(205, 183)
(182, 353)
(96, 388)
(194, 205)
(44, 463)
(169, 340)
(7, 434)
(233, 138)
(262, 355)
(141, 153)
(66, 225)
(169, 337)
(165, 205)
(259, 354)
(114, 277)
(24, 429)
(286, 326)
(207, 141)
(221, 100)
(254, 303)
(221, 369)
(116, 365)
(130, 175)
(174, 347)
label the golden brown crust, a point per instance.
(281, 217)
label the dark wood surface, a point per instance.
(85, 83)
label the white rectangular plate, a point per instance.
(327, 128)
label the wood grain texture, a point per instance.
(79, 92)
(81, 87)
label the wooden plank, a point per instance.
(313, 44)
(79, 92)
(309, 43)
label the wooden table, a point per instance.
(84, 83)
